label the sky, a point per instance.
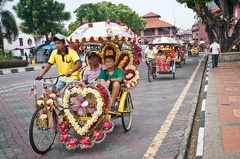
(169, 10)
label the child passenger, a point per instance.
(112, 78)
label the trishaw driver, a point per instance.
(150, 52)
(67, 61)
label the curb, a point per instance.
(200, 141)
(184, 144)
(20, 70)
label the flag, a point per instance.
(47, 90)
(32, 91)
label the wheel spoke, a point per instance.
(41, 133)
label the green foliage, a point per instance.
(42, 17)
(8, 25)
(95, 12)
(9, 55)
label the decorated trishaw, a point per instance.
(163, 63)
(81, 116)
(193, 48)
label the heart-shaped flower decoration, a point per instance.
(85, 108)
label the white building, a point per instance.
(22, 44)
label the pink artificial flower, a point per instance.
(85, 141)
(97, 134)
(72, 142)
(63, 125)
(107, 124)
(64, 136)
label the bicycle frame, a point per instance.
(55, 106)
(149, 64)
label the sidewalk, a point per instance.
(30, 67)
(220, 117)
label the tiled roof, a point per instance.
(156, 23)
(151, 14)
(153, 21)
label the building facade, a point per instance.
(155, 28)
(199, 33)
(22, 44)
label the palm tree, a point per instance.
(8, 26)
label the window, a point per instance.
(20, 41)
(29, 42)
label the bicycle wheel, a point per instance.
(127, 113)
(42, 129)
(150, 75)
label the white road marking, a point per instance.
(157, 141)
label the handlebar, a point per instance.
(50, 78)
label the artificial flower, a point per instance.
(97, 134)
(107, 124)
(43, 116)
(63, 125)
(72, 143)
(64, 136)
(85, 141)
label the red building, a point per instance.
(199, 33)
(155, 28)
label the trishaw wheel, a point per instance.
(127, 113)
(150, 75)
(43, 129)
(173, 75)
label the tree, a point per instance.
(42, 18)
(218, 26)
(8, 26)
(95, 12)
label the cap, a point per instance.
(59, 37)
(90, 54)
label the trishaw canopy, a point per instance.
(102, 31)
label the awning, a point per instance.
(23, 47)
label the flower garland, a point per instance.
(131, 76)
(125, 59)
(85, 129)
(88, 132)
(82, 71)
(110, 49)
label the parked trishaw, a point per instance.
(81, 115)
(193, 49)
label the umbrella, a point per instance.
(49, 46)
(201, 42)
(102, 31)
(191, 41)
(165, 40)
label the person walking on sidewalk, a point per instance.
(67, 61)
(216, 51)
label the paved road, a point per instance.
(162, 118)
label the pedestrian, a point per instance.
(26, 56)
(67, 61)
(216, 51)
